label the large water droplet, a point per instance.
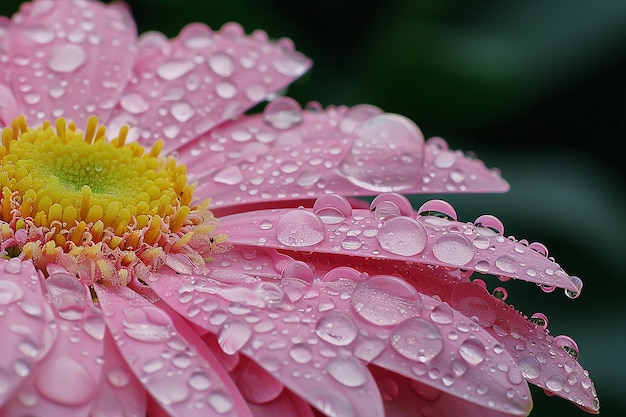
(454, 249)
(299, 228)
(182, 111)
(283, 113)
(379, 163)
(167, 390)
(530, 367)
(506, 263)
(221, 64)
(13, 266)
(301, 353)
(336, 328)
(220, 402)
(65, 381)
(134, 103)
(348, 371)
(173, 69)
(386, 300)
(233, 336)
(442, 314)
(473, 351)
(147, 324)
(10, 292)
(66, 58)
(68, 295)
(417, 339)
(402, 236)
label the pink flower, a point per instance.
(125, 291)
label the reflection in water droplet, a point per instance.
(454, 249)
(336, 328)
(348, 371)
(375, 165)
(386, 300)
(299, 228)
(402, 236)
(417, 339)
(473, 351)
(233, 336)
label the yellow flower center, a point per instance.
(106, 211)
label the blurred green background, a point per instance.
(535, 88)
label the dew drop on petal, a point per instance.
(233, 336)
(299, 228)
(506, 263)
(10, 292)
(65, 381)
(13, 266)
(386, 300)
(402, 236)
(454, 249)
(283, 113)
(530, 367)
(66, 58)
(147, 324)
(199, 381)
(173, 69)
(348, 371)
(473, 351)
(387, 154)
(336, 328)
(167, 391)
(333, 404)
(221, 64)
(417, 339)
(220, 402)
(301, 353)
(442, 314)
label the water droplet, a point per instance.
(134, 103)
(555, 383)
(369, 349)
(118, 378)
(578, 283)
(39, 34)
(66, 58)
(199, 381)
(220, 402)
(167, 390)
(69, 296)
(173, 69)
(291, 66)
(234, 336)
(182, 111)
(152, 366)
(283, 113)
(147, 324)
(473, 351)
(417, 339)
(230, 175)
(378, 164)
(333, 404)
(265, 225)
(442, 314)
(10, 292)
(506, 263)
(221, 64)
(65, 381)
(386, 300)
(301, 353)
(540, 320)
(226, 90)
(515, 376)
(473, 300)
(402, 236)
(351, 243)
(299, 228)
(95, 327)
(336, 328)
(500, 293)
(530, 367)
(348, 371)
(13, 266)
(568, 345)
(454, 249)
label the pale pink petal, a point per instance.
(70, 58)
(66, 381)
(8, 103)
(258, 320)
(120, 394)
(163, 355)
(423, 239)
(24, 323)
(403, 395)
(286, 404)
(290, 153)
(377, 320)
(184, 87)
(547, 361)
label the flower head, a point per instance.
(165, 254)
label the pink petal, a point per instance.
(542, 360)
(163, 355)
(66, 381)
(288, 153)
(424, 239)
(277, 339)
(287, 404)
(70, 58)
(24, 319)
(184, 87)
(120, 394)
(403, 396)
